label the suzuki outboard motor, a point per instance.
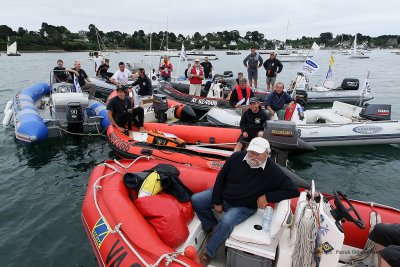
(376, 112)
(350, 84)
(160, 106)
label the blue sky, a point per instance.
(306, 18)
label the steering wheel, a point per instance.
(343, 212)
(63, 89)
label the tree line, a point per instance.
(50, 37)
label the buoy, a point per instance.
(7, 117)
(8, 105)
(191, 253)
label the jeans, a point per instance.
(202, 205)
(137, 117)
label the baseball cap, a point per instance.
(197, 60)
(258, 145)
(122, 87)
(253, 100)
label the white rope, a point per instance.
(82, 134)
(307, 230)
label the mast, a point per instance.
(287, 30)
(167, 34)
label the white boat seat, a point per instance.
(346, 110)
(331, 117)
(61, 100)
(329, 84)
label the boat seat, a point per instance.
(331, 117)
(346, 110)
(61, 100)
(329, 84)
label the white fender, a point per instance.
(8, 105)
(7, 117)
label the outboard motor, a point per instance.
(350, 84)
(160, 106)
(283, 138)
(228, 74)
(301, 97)
(75, 118)
(376, 112)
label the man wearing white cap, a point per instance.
(247, 181)
(196, 76)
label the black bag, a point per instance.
(135, 180)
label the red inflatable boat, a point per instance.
(122, 233)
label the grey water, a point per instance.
(42, 186)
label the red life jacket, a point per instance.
(166, 66)
(239, 92)
(196, 80)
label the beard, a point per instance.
(255, 163)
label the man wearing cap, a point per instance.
(251, 123)
(120, 111)
(196, 76)
(276, 101)
(247, 181)
(252, 62)
(272, 67)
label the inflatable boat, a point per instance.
(43, 111)
(349, 91)
(343, 124)
(159, 230)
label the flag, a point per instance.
(366, 87)
(183, 54)
(309, 67)
(329, 74)
(77, 85)
(315, 46)
(331, 61)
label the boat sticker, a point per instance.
(202, 101)
(216, 165)
(118, 142)
(324, 230)
(99, 232)
(282, 133)
(367, 129)
(327, 248)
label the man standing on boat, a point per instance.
(251, 124)
(121, 111)
(247, 181)
(166, 69)
(144, 82)
(252, 62)
(83, 79)
(272, 66)
(196, 76)
(208, 68)
(121, 76)
(241, 94)
(98, 60)
(276, 101)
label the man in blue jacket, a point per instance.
(276, 101)
(247, 181)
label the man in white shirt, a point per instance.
(121, 76)
(97, 61)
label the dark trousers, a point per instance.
(106, 75)
(137, 117)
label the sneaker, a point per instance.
(204, 258)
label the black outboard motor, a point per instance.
(75, 118)
(160, 106)
(283, 138)
(228, 74)
(376, 112)
(350, 84)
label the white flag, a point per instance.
(367, 87)
(309, 67)
(183, 54)
(77, 85)
(315, 47)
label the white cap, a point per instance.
(258, 145)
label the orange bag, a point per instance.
(155, 137)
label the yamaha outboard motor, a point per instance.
(376, 112)
(350, 84)
(75, 118)
(160, 106)
(283, 138)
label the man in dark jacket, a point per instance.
(144, 82)
(246, 181)
(276, 101)
(252, 62)
(251, 123)
(272, 67)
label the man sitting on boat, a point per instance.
(196, 76)
(251, 123)
(121, 76)
(83, 79)
(121, 111)
(241, 94)
(60, 72)
(144, 82)
(247, 181)
(166, 69)
(387, 243)
(276, 101)
(102, 71)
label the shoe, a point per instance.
(142, 130)
(204, 258)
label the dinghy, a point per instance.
(159, 230)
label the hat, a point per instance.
(272, 53)
(258, 145)
(197, 60)
(253, 100)
(122, 87)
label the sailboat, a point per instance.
(103, 51)
(357, 54)
(12, 49)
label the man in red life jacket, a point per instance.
(241, 94)
(166, 69)
(196, 76)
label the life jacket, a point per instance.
(166, 66)
(155, 137)
(239, 92)
(196, 80)
(289, 112)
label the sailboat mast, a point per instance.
(287, 30)
(167, 34)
